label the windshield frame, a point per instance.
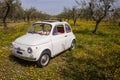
(33, 27)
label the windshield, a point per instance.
(40, 28)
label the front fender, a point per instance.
(41, 48)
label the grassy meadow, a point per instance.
(96, 57)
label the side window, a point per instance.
(67, 28)
(58, 29)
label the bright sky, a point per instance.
(51, 7)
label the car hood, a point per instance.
(32, 39)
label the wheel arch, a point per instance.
(39, 61)
(74, 40)
(47, 50)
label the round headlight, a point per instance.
(29, 50)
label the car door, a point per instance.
(68, 36)
(58, 39)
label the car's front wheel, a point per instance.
(44, 59)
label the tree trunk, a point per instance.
(96, 27)
(75, 22)
(5, 17)
(24, 19)
(5, 25)
(28, 19)
(119, 24)
(14, 20)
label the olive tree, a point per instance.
(75, 14)
(29, 13)
(116, 15)
(66, 14)
(98, 10)
(6, 7)
(16, 12)
(70, 14)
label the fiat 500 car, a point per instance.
(44, 40)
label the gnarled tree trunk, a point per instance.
(5, 17)
(96, 27)
(119, 24)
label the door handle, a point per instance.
(65, 35)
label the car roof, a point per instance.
(52, 22)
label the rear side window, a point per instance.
(59, 29)
(67, 28)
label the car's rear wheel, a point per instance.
(73, 45)
(44, 59)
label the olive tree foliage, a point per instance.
(98, 10)
(85, 14)
(16, 12)
(75, 14)
(29, 13)
(66, 14)
(6, 10)
(116, 15)
(33, 14)
(70, 14)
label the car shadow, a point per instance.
(26, 63)
(21, 61)
(58, 54)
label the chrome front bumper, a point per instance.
(29, 57)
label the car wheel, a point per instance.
(44, 59)
(73, 44)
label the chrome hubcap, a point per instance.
(44, 59)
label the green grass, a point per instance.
(96, 57)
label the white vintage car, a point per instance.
(44, 40)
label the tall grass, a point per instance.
(96, 57)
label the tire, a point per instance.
(44, 59)
(73, 45)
